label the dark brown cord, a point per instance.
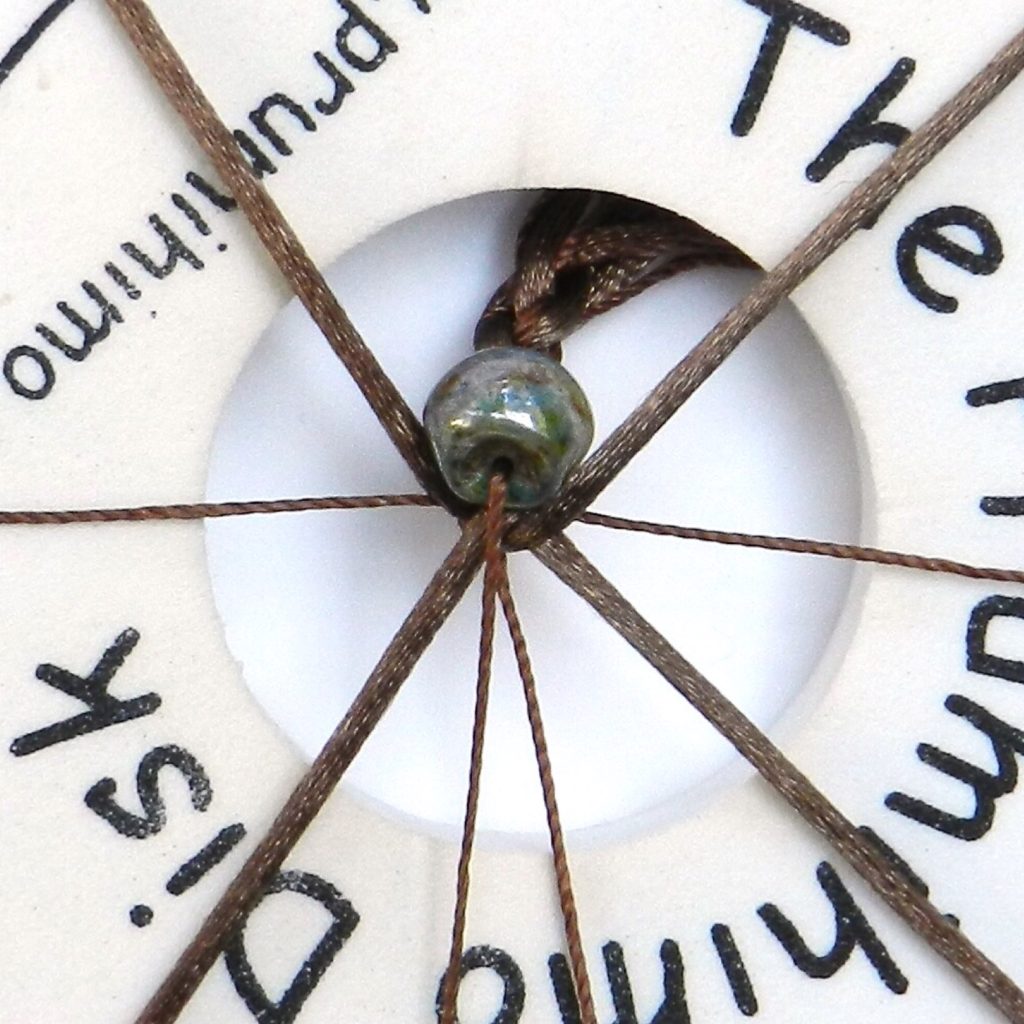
(581, 253)
(494, 519)
(443, 592)
(946, 938)
(563, 877)
(211, 510)
(849, 552)
(220, 510)
(864, 203)
(618, 450)
(215, 139)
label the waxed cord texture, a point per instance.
(553, 315)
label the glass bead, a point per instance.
(512, 410)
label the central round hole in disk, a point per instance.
(310, 601)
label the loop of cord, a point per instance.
(581, 253)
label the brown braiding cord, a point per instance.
(582, 253)
(494, 515)
(602, 285)
(803, 546)
(866, 201)
(230, 509)
(278, 238)
(211, 510)
(412, 639)
(947, 939)
(563, 878)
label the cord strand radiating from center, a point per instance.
(493, 571)
(865, 201)
(891, 883)
(563, 878)
(278, 238)
(806, 546)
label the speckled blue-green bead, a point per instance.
(513, 409)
